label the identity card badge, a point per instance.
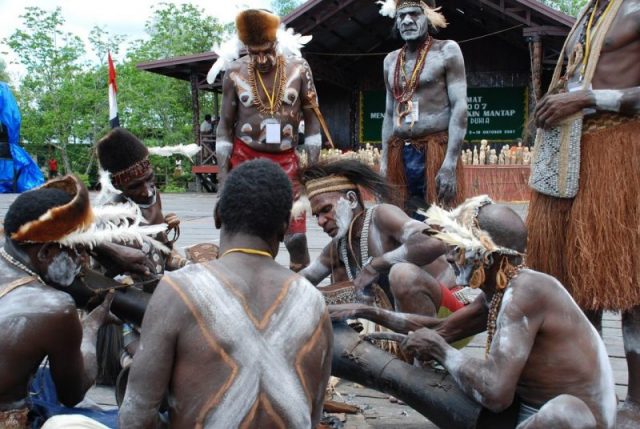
(415, 112)
(273, 131)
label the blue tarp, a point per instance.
(20, 173)
(44, 403)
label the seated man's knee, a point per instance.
(562, 412)
(409, 280)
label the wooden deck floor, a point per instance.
(195, 212)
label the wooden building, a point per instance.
(509, 46)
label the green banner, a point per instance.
(493, 114)
(372, 106)
(496, 113)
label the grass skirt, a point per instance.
(591, 243)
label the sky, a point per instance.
(126, 17)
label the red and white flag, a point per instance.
(114, 121)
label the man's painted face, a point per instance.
(412, 23)
(263, 56)
(465, 263)
(334, 213)
(141, 190)
(65, 266)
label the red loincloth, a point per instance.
(288, 160)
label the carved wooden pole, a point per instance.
(536, 66)
(195, 107)
(433, 394)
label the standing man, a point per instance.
(206, 127)
(265, 95)
(426, 109)
(229, 343)
(591, 242)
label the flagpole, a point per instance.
(114, 120)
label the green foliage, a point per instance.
(4, 76)
(570, 7)
(63, 97)
(283, 7)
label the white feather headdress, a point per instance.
(459, 227)
(289, 43)
(116, 223)
(188, 150)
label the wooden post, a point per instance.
(195, 109)
(536, 66)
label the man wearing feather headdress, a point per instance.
(588, 235)
(48, 232)
(265, 95)
(128, 177)
(541, 349)
(425, 119)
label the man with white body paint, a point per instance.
(540, 348)
(591, 242)
(46, 230)
(235, 347)
(265, 94)
(376, 243)
(425, 119)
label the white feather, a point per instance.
(115, 213)
(300, 206)
(227, 51)
(290, 43)
(107, 190)
(387, 8)
(109, 232)
(188, 150)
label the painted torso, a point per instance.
(434, 106)
(27, 315)
(299, 92)
(567, 356)
(618, 66)
(265, 357)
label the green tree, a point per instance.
(4, 75)
(570, 7)
(284, 7)
(52, 60)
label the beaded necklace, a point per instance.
(277, 94)
(404, 89)
(511, 273)
(10, 259)
(364, 246)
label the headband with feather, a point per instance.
(389, 9)
(459, 227)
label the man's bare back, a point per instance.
(237, 349)
(538, 316)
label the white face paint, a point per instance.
(412, 23)
(344, 216)
(63, 269)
